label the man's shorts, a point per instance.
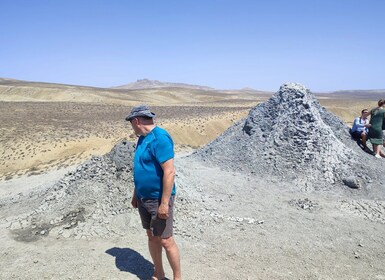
(148, 211)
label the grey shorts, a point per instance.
(148, 211)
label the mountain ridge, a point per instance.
(147, 83)
(153, 84)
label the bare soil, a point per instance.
(228, 226)
(237, 227)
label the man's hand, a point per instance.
(163, 211)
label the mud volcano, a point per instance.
(292, 138)
(83, 204)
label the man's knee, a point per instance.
(151, 237)
(168, 243)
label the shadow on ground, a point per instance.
(363, 148)
(131, 261)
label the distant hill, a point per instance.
(153, 92)
(374, 94)
(142, 91)
(148, 84)
(22, 83)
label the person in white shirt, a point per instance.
(360, 128)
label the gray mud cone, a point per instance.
(291, 138)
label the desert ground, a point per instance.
(37, 136)
(275, 232)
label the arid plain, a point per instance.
(50, 126)
(272, 231)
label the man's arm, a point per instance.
(134, 202)
(355, 124)
(168, 184)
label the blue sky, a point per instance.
(324, 44)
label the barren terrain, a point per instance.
(54, 126)
(276, 231)
(36, 136)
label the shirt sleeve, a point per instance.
(355, 124)
(164, 149)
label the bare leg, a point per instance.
(363, 139)
(155, 248)
(381, 153)
(377, 150)
(173, 257)
(374, 148)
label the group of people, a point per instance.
(371, 130)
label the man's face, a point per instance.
(365, 114)
(135, 123)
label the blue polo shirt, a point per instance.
(152, 150)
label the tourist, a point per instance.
(360, 127)
(376, 133)
(154, 191)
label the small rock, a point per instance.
(351, 182)
(357, 255)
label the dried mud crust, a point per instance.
(85, 203)
(372, 210)
(227, 224)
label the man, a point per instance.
(360, 128)
(154, 191)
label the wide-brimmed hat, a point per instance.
(140, 111)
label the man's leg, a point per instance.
(173, 257)
(377, 150)
(363, 139)
(155, 248)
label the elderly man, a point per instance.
(154, 188)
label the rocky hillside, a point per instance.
(292, 138)
(84, 203)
